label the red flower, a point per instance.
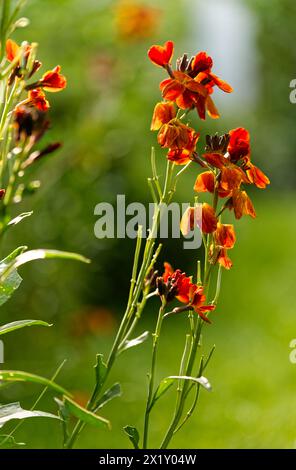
(201, 68)
(187, 292)
(53, 80)
(182, 156)
(37, 98)
(161, 55)
(163, 113)
(239, 144)
(185, 92)
(197, 300)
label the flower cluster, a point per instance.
(226, 159)
(175, 284)
(25, 66)
(30, 120)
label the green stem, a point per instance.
(182, 396)
(152, 372)
(136, 290)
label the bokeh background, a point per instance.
(103, 120)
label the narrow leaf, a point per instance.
(133, 435)
(135, 342)
(112, 392)
(16, 325)
(203, 381)
(19, 218)
(100, 370)
(20, 376)
(162, 388)
(85, 415)
(15, 411)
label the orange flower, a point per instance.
(223, 258)
(174, 284)
(225, 235)
(183, 156)
(163, 113)
(201, 67)
(209, 219)
(191, 85)
(37, 98)
(161, 55)
(53, 80)
(12, 50)
(256, 176)
(205, 182)
(187, 292)
(224, 238)
(185, 92)
(191, 218)
(174, 134)
(242, 204)
(197, 300)
(231, 175)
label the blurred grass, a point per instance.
(252, 404)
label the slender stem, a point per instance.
(133, 298)
(181, 399)
(152, 372)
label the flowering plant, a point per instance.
(226, 170)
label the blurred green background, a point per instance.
(103, 120)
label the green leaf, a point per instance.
(133, 435)
(9, 277)
(162, 388)
(85, 415)
(13, 279)
(41, 253)
(65, 417)
(16, 325)
(203, 381)
(20, 376)
(112, 392)
(16, 220)
(135, 342)
(15, 411)
(7, 441)
(100, 370)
